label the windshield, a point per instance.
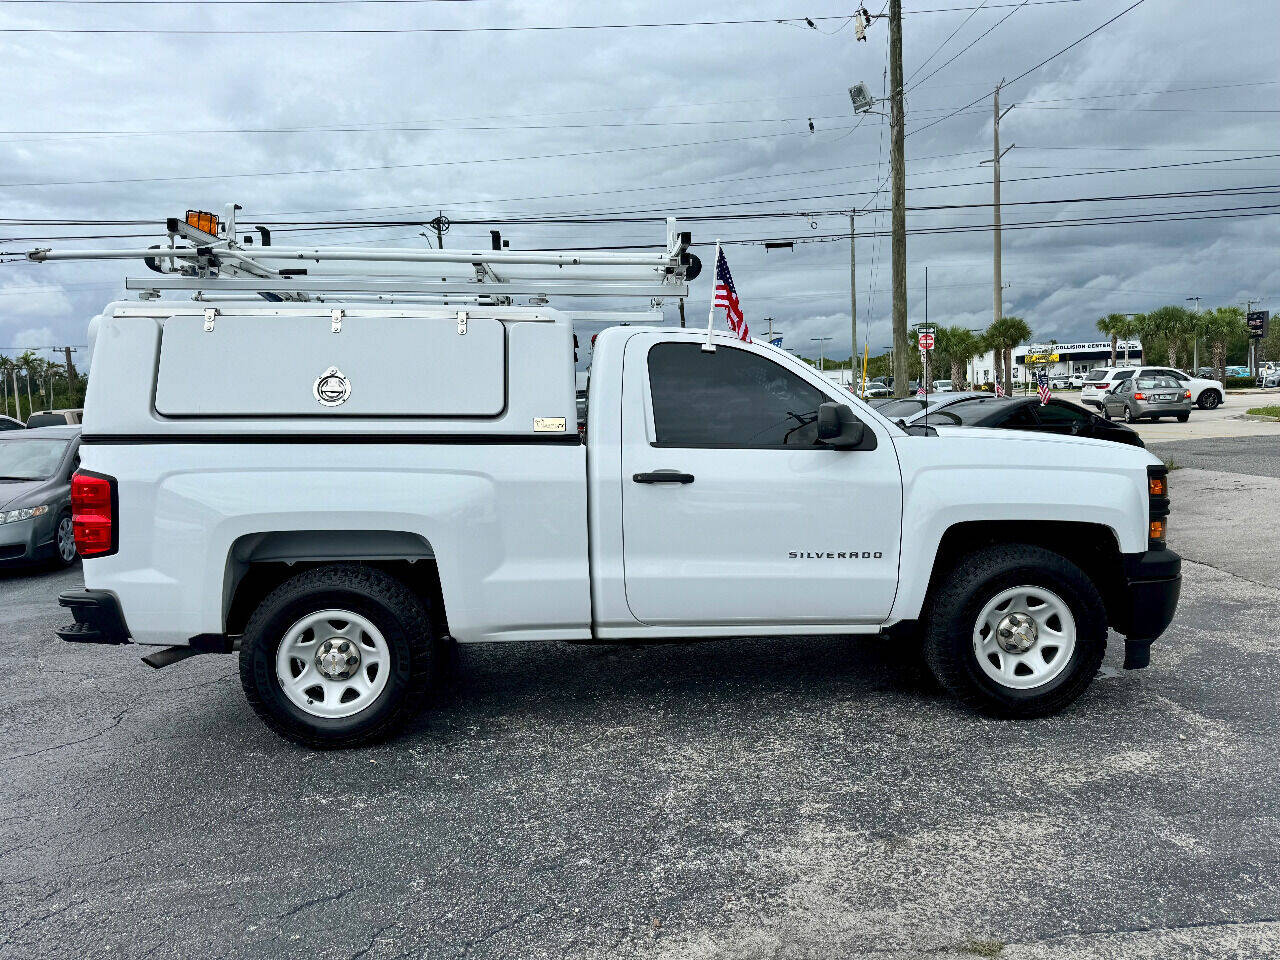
(30, 459)
(1097, 375)
(907, 407)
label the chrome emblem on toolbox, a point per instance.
(331, 387)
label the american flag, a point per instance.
(726, 296)
(999, 390)
(920, 390)
(1042, 383)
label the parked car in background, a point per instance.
(876, 390)
(1099, 380)
(55, 418)
(1027, 413)
(907, 408)
(35, 495)
(1139, 398)
(8, 423)
(942, 386)
(1205, 394)
(1061, 382)
(1271, 379)
(1237, 371)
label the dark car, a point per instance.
(35, 494)
(1028, 413)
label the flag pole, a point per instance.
(709, 346)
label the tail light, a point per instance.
(1139, 396)
(94, 510)
(1186, 394)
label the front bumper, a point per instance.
(98, 618)
(26, 541)
(1153, 582)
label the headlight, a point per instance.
(26, 513)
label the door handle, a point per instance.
(663, 476)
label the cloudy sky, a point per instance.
(136, 111)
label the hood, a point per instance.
(12, 491)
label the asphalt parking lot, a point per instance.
(788, 798)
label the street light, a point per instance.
(821, 352)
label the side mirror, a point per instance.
(839, 429)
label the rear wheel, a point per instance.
(1016, 631)
(337, 656)
(1209, 399)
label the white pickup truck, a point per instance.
(338, 494)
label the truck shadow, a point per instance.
(567, 683)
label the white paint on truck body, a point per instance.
(536, 535)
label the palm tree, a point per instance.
(1003, 335)
(28, 363)
(6, 371)
(1171, 323)
(1118, 327)
(956, 346)
(1220, 328)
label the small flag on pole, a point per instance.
(999, 390)
(1042, 384)
(726, 295)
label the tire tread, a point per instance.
(948, 659)
(372, 583)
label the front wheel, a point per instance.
(1209, 400)
(1128, 414)
(64, 541)
(1016, 631)
(337, 656)
(1106, 412)
(1184, 417)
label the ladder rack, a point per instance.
(206, 255)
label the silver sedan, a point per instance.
(1147, 397)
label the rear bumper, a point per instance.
(1153, 582)
(98, 618)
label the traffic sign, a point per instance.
(926, 341)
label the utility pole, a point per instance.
(1195, 348)
(898, 174)
(71, 367)
(680, 301)
(996, 154)
(853, 290)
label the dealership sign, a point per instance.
(1258, 322)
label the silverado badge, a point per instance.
(331, 387)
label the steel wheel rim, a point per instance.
(318, 636)
(66, 540)
(1052, 638)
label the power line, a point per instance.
(969, 46)
(526, 28)
(1030, 70)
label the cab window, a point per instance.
(729, 398)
